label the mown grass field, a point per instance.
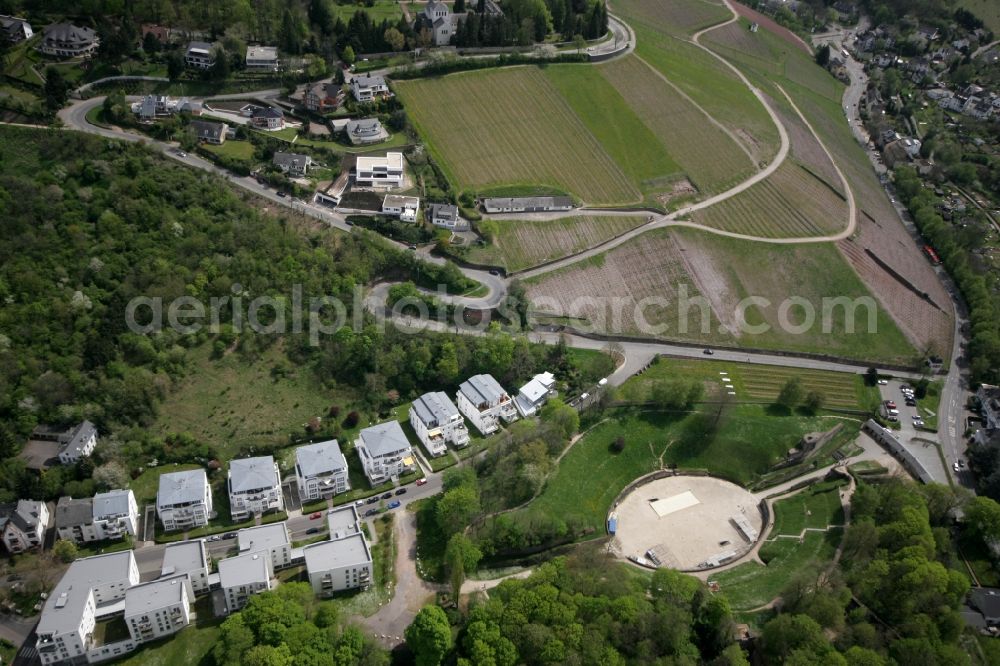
(752, 585)
(987, 10)
(763, 383)
(239, 150)
(512, 127)
(521, 244)
(791, 203)
(711, 159)
(748, 441)
(640, 153)
(381, 10)
(816, 507)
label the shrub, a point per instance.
(352, 420)
(618, 445)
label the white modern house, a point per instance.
(92, 588)
(262, 58)
(385, 452)
(77, 443)
(271, 539)
(436, 421)
(321, 471)
(115, 514)
(254, 487)
(242, 576)
(484, 402)
(23, 525)
(184, 500)
(535, 393)
(403, 207)
(368, 87)
(345, 561)
(189, 558)
(199, 55)
(379, 172)
(446, 216)
(158, 608)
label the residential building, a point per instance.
(23, 525)
(380, 172)
(368, 87)
(535, 393)
(293, 164)
(267, 118)
(184, 500)
(158, 608)
(189, 558)
(527, 204)
(210, 132)
(447, 216)
(989, 401)
(14, 30)
(77, 443)
(199, 55)
(321, 471)
(323, 97)
(271, 539)
(65, 40)
(262, 58)
(242, 576)
(365, 131)
(92, 588)
(153, 106)
(345, 561)
(437, 17)
(115, 514)
(75, 520)
(436, 421)
(484, 402)
(385, 452)
(254, 487)
(405, 208)
(987, 601)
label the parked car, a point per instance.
(708, 352)
(312, 530)
(387, 496)
(360, 502)
(883, 382)
(401, 491)
(371, 512)
(229, 535)
(215, 537)
(421, 482)
(282, 194)
(393, 505)
(316, 515)
(372, 499)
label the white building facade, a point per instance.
(437, 423)
(483, 401)
(385, 452)
(184, 500)
(254, 487)
(321, 471)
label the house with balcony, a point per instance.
(483, 401)
(243, 576)
(385, 452)
(262, 59)
(116, 514)
(188, 558)
(437, 422)
(184, 500)
(254, 487)
(365, 131)
(267, 118)
(379, 172)
(23, 525)
(535, 393)
(404, 207)
(368, 87)
(344, 562)
(199, 55)
(159, 608)
(75, 520)
(271, 539)
(65, 40)
(322, 97)
(321, 471)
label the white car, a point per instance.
(883, 382)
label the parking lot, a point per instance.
(923, 444)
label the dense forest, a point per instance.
(88, 225)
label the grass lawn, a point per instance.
(511, 126)
(382, 10)
(146, 485)
(815, 507)
(751, 585)
(987, 10)
(239, 150)
(748, 441)
(930, 405)
(192, 645)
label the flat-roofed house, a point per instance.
(262, 58)
(184, 500)
(385, 452)
(404, 207)
(535, 393)
(243, 576)
(484, 402)
(254, 487)
(436, 421)
(527, 204)
(345, 561)
(190, 558)
(158, 608)
(199, 55)
(321, 471)
(116, 514)
(271, 539)
(379, 172)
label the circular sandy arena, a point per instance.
(687, 522)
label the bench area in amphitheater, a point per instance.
(686, 523)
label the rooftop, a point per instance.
(66, 602)
(368, 80)
(72, 512)
(390, 161)
(199, 46)
(113, 503)
(183, 557)
(78, 437)
(67, 32)
(149, 597)
(319, 458)
(481, 389)
(247, 569)
(263, 537)
(342, 521)
(247, 474)
(400, 201)
(262, 53)
(345, 552)
(182, 487)
(434, 408)
(384, 439)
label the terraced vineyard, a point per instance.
(678, 16)
(792, 203)
(512, 127)
(521, 244)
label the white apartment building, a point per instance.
(254, 487)
(92, 588)
(321, 471)
(262, 58)
(243, 576)
(484, 402)
(345, 561)
(436, 421)
(23, 525)
(199, 55)
(380, 172)
(158, 608)
(403, 207)
(189, 558)
(77, 443)
(271, 539)
(115, 514)
(535, 393)
(368, 87)
(385, 452)
(184, 500)
(75, 520)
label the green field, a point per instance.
(748, 442)
(752, 585)
(520, 244)
(146, 485)
(987, 10)
(238, 150)
(512, 127)
(381, 10)
(816, 507)
(682, 17)
(192, 645)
